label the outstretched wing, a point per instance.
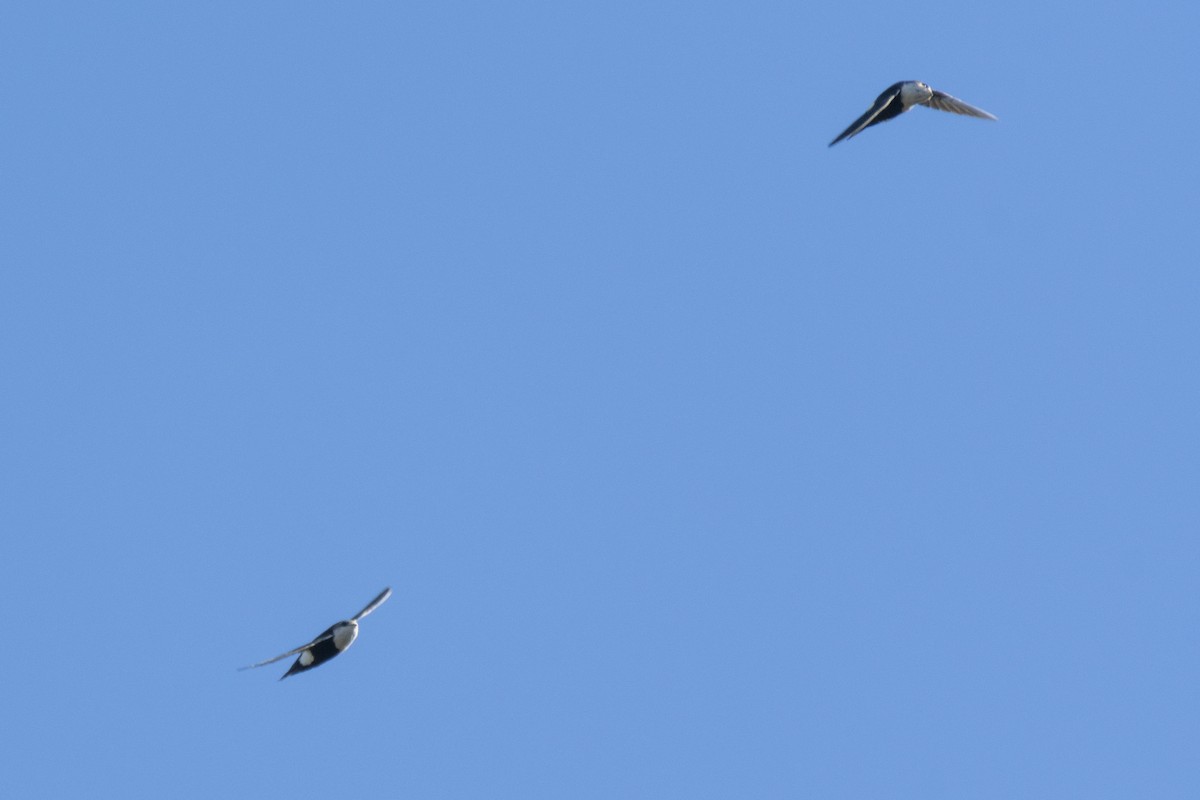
(371, 606)
(322, 638)
(892, 95)
(944, 102)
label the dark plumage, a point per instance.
(900, 97)
(331, 642)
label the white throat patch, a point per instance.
(912, 93)
(344, 635)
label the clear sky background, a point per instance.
(705, 461)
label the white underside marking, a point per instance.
(306, 658)
(911, 94)
(345, 635)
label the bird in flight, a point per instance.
(331, 642)
(900, 97)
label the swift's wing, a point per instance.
(374, 604)
(322, 638)
(944, 102)
(892, 95)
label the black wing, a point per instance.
(888, 102)
(327, 635)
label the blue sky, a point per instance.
(704, 460)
